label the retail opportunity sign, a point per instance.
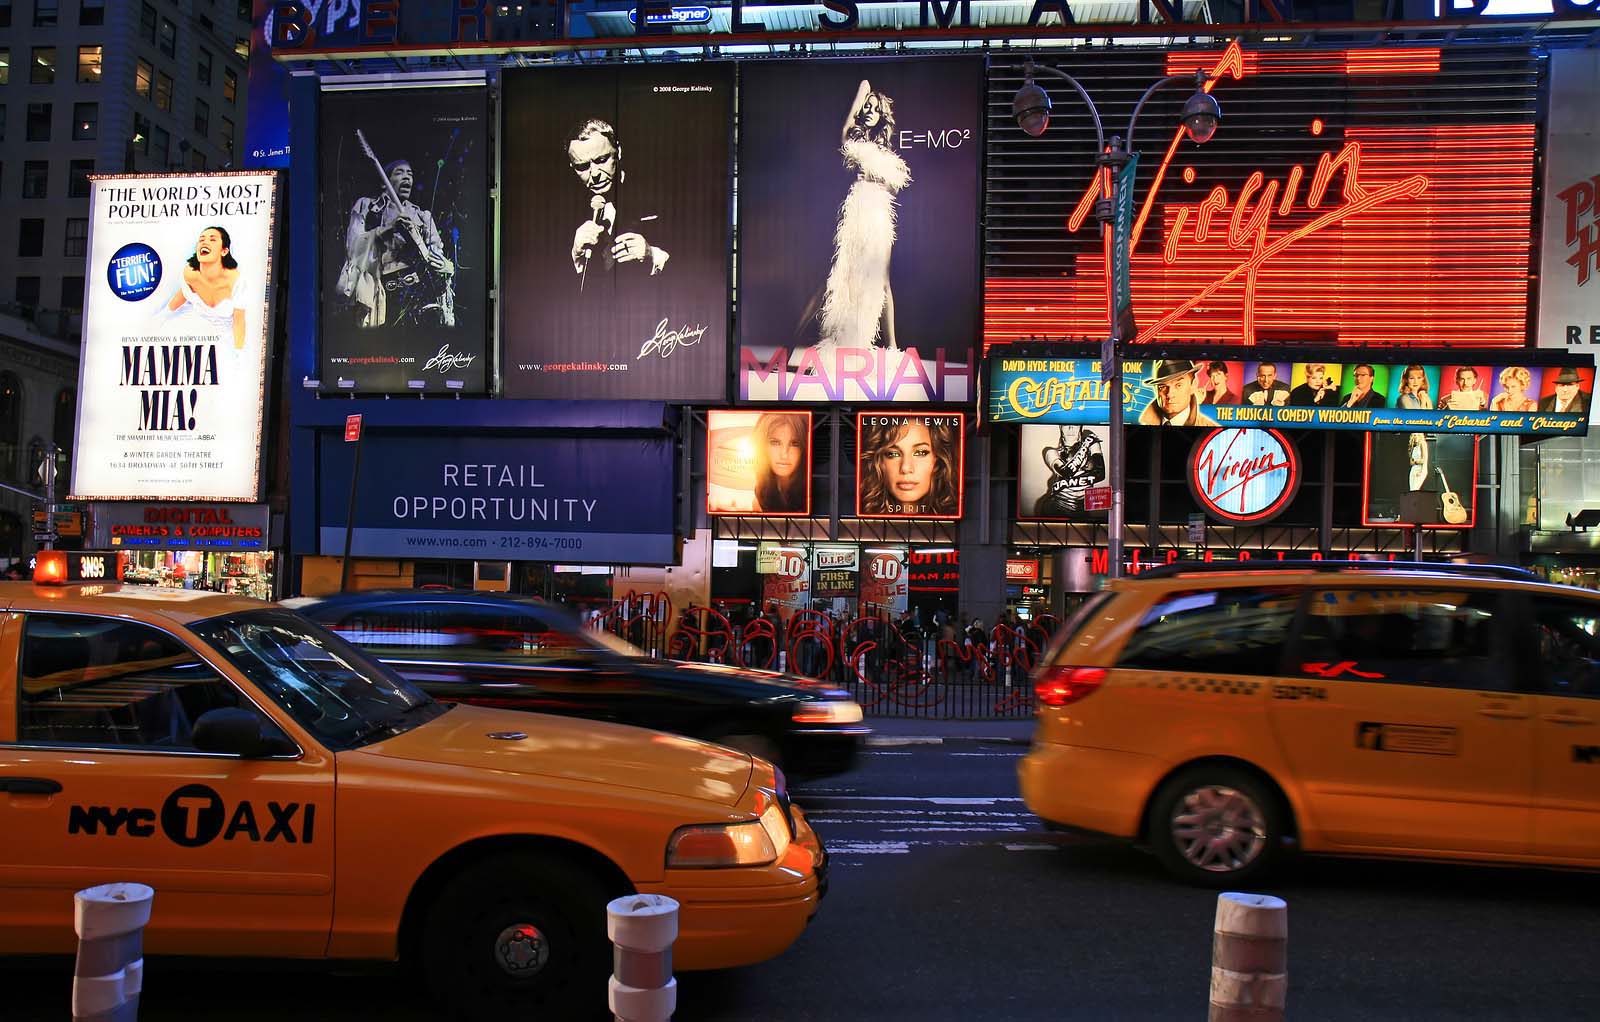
(1457, 392)
(175, 337)
(601, 500)
(1244, 475)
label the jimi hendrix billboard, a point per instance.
(858, 214)
(1470, 392)
(404, 240)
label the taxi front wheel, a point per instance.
(1217, 826)
(516, 933)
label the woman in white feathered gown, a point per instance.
(858, 304)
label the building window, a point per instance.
(45, 13)
(197, 160)
(230, 85)
(202, 117)
(11, 394)
(5, 13)
(90, 59)
(2, 122)
(42, 68)
(202, 70)
(169, 38)
(78, 172)
(143, 77)
(160, 144)
(241, 47)
(36, 179)
(71, 296)
(141, 133)
(27, 296)
(30, 238)
(244, 10)
(38, 122)
(91, 12)
(227, 138)
(85, 121)
(163, 96)
(147, 23)
(77, 237)
(5, 65)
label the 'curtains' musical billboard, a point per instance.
(859, 184)
(617, 234)
(172, 375)
(1456, 392)
(405, 254)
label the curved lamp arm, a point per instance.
(1030, 69)
(1198, 80)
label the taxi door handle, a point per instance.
(1503, 713)
(29, 785)
(1566, 718)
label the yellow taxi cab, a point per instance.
(287, 797)
(1222, 715)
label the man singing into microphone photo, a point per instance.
(607, 240)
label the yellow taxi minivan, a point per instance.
(1223, 715)
(287, 797)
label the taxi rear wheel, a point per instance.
(1217, 826)
(519, 932)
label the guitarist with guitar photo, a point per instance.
(395, 271)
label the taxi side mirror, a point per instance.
(239, 731)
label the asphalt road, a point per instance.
(948, 903)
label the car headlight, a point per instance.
(828, 711)
(718, 846)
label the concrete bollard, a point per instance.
(642, 928)
(110, 920)
(1249, 958)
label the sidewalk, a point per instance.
(890, 731)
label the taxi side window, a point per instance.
(1432, 638)
(445, 630)
(1218, 631)
(1569, 647)
(102, 681)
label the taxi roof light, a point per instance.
(50, 568)
(1061, 685)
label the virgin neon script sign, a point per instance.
(1244, 475)
(1249, 214)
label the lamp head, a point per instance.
(1200, 116)
(1031, 108)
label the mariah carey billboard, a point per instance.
(859, 230)
(172, 376)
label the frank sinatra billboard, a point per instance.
(1470, 392)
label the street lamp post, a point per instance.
(1031, 108)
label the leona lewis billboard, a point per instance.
(616, 240)
(175, 334)
(404, 241)
(858, 220)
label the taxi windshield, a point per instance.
(330, 688)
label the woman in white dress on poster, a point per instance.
(857, 303)
(210, 299)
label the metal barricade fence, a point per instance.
(892, 669)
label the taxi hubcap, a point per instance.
(1219, 829)
(521, 949)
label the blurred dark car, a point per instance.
(523, 653)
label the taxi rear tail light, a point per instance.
(721, 846)
(828, 711)
(1058, 686)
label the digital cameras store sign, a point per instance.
(858, 219)
(175, 335)
(600, 500)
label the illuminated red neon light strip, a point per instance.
(1395, 60)
(1449, 268)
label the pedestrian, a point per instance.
(977, 648)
